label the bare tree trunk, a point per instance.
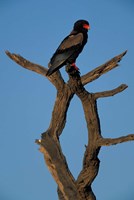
(68, 187)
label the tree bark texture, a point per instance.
(68, 187)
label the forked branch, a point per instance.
(68, 187)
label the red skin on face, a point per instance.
(86, 26)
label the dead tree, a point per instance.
(68, 187)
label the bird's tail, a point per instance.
(49, 72)
(52, 68)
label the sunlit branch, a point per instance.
(114, 141)
(102, 69)
(56, 79)
(110, 92)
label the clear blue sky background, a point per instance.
(34, 29)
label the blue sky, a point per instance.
(34, 29)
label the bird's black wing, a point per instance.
(71, 41)
(66, 49)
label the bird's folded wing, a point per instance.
(71, 41)
(66, 49)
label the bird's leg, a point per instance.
(75, 67)
(72, 69)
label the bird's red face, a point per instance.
(86, 26)
(81, 26)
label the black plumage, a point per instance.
(70, 47)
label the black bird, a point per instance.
(70, 47)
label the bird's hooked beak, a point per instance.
(86, 26)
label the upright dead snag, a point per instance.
(68, 187)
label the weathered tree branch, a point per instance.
(110, 92)
(90, 161)
(55, 79)
(114, 141)
(102, 69)
(59, 113)
(57, 165)
(27, 64)
(68, 187)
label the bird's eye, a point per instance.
(86, 26)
